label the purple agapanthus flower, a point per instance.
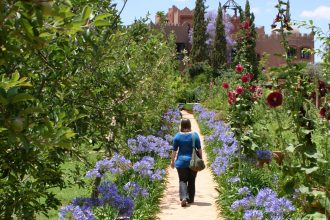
(116, 165)
(245, 191)
(135, 190)
(253, 214)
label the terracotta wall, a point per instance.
(180, 21)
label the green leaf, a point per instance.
(310, 170)
(27, 27)
(102, 16)
(86, 12)
(305, 131)
(315, 216)
(291, 148)
(3, 100)
(303, 189)
(31, 110)
(316, 155)
(3, 129)
(69, 134)
(21, 97)
(15, 76)
(325, 202)
(101, 23)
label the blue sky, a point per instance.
(264, 10)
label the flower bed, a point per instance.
(128, 186)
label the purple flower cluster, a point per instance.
(266, 200)
(116, 165)
(264, 154)
(145, 166)
(109, 196)
(81, 208)
(211, 17)
(77, 213)
(234, 179)
(150, 144)
(253, 215)
(245, 191)
(134, 190)
(228, 145)
(172, 116)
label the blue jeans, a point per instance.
(187, 179)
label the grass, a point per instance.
(67, 194)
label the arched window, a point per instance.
(305, 53)
(292, 52)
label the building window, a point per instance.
(305, 53)
(292, 52)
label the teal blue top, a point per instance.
(183, 142)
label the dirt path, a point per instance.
(204, 207)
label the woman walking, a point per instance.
(180, 159)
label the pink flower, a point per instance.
(239, 90)
(239, 68)
(275, 99)
(225, 85)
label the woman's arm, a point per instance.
(173, 156)
(200, 153)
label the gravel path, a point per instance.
(204, 207)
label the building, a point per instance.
(181, 21)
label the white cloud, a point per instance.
(255, 10)
(320, 12)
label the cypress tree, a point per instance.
(251, 55)
(246, 47)
(219, 53)
(199, 48)
(247, 13)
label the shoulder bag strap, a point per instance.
(193, 139)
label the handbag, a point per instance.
(196, 163)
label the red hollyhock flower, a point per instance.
(246, 25)
(245, 78)
(253, 88)
(275, 99)
(232, 97)
(239, 90)
(322, 88)
(325, 112)
(225, 85)
(250, 76)
(239, 68)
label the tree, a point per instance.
(246, 47)
(219, 53)
(199, 48)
